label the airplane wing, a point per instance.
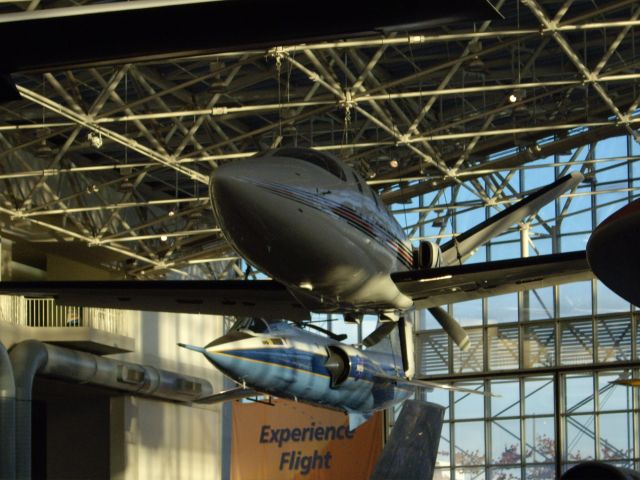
(255, 298)
(427, 384)
(458, 283)
(236, 393)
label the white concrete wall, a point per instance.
(161, 440)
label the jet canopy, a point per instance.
(255, 325)
(319, 159)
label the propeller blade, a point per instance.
(452, 327)
(378, 334)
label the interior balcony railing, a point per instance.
(99, 330)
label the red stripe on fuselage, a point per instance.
(372, 230)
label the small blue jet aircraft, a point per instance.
(280, 359)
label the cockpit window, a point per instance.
(256, 325)
(317, 158)
(357, 180)
(375, 197)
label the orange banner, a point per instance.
(292, 440)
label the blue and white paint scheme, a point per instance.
(280, 359)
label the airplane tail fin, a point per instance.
(461, 247)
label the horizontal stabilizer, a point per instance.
(237, 393)
(457, 250)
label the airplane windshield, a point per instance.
(256, 325)
(318, 159)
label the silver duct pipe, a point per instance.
(32, 357)
(7, 417)
(27, 358)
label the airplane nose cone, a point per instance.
(237, 199)
(247, 210)
(229, 189)
(223, 352)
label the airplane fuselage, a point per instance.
(290, 363)
(273, 208)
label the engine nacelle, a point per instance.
(338, 364)
(428, 255)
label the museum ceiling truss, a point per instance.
(113, 161)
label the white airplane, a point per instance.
(312, 224)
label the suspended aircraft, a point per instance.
(278, 358)
(312, 224)
(613, 253)
(329, 245)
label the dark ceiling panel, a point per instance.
(170, 31)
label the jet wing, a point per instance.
(237, 393)
(255, 298)
(427, 384)
(440, 286)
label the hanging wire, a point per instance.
(450, 215)
(126, 123)
(278, 57)
(347, 104)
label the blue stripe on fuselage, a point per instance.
(310, 362)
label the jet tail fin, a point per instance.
(459, 248)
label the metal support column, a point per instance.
(7, 417)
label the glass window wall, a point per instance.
(550, 354)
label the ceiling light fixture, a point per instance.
(95, 139)
(517, 95)
(43, 150)
(394, 163)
